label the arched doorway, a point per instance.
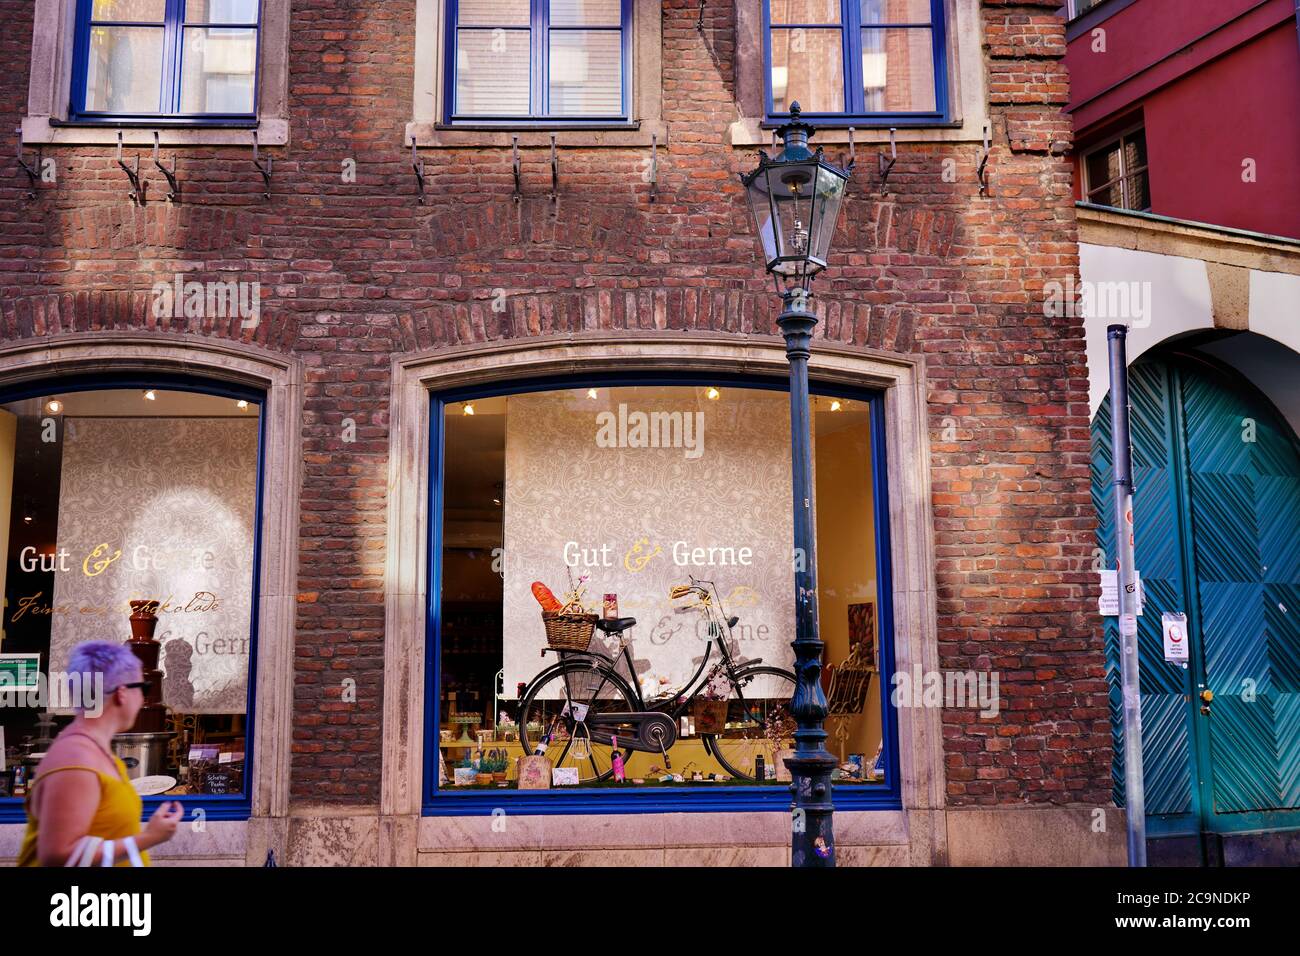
(1217, 517)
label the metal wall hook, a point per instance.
(175, 194)
(417, 167)
(138, 187)
(33, 172)
(887, 165)
(654, 165)
(853, 153)
(555, 172)
(265, 170)
(982, 170)
(519, 179)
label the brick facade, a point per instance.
(354, 272)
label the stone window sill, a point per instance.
(435, 136)
(38, 130)
(752, 131)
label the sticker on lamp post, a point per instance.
(1175, 628)
(1108, 603)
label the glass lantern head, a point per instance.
(795, 198)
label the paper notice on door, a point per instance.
(1175, 628)
(1108, 603)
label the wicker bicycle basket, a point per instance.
(570, 628)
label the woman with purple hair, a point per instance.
(82, 800)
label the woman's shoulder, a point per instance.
(73, 751)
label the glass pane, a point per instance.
(163, 494)
(492, 73)
(603, 500)
(493, 13)
(807, 66)
(898, 71)
(1111, 195)
(805, 11)
(129, 11)
(217, 70)
(586, 13)
(634, 509)
(895, 11)
(1103, 166)
(760, 205)
(846, 585)
(830, 194)
(1139, 194)
(124, 69)
(221, 11)
(1135, 152)
(586, 73)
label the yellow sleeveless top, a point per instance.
(117, 816)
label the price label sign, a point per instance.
(1175, 629)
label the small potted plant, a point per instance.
(779, 728)
(709, 707)
(483, 774)
(495, 763)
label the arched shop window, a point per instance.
(120, 490)
(666, 500)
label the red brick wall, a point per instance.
(353, 273)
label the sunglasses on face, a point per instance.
(144, 685)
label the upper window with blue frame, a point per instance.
(865, 60)
(559, 62)
(190, 60)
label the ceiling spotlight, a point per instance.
(591, 393)
(150, 396)
(835, 405)
(27, 519)
(54, 406)
(469, 408)
(712, 393)
(241, 404)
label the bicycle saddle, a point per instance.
(616, 625)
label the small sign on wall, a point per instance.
(1175, 629)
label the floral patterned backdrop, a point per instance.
(632, 518)
(171, 501)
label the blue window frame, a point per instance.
(447, 800)
(233, 806)
(856, 62)
(175, 62)
(534, 62)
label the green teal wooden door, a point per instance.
(1217, 516)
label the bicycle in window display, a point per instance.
(583, 701)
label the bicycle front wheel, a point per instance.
(577, 704)
(755, 695)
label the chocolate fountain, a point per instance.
(143, 746)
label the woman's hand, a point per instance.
(162, 825)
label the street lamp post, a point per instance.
(796, 199)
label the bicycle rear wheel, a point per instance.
(756, 693)
(562, 702)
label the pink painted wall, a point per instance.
(1202, 129)
(1231, 96)
(1139, 35)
